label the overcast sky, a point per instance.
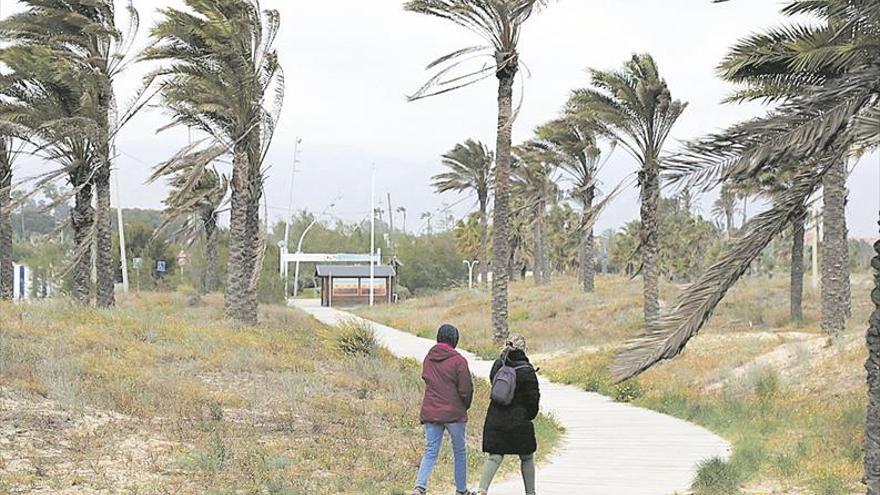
(350, 63)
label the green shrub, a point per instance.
(717, 477)
(767, 386)
(628, 391)
(357, 339)
(829, 484)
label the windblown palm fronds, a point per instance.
(574, 142)
(469, 167)
(499, 24)
(695, 305)
(633, 108)
(80, 37)
(223, 78)
(810, 130)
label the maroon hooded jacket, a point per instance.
(448, 386)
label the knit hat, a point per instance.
(448, 334)
(518, 342)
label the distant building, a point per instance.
(350, 285)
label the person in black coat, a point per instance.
(509, 429)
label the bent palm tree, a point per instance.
(574, 141)
(634, 108)
(470, 167)
(759, 62)
(499, 23)
(85, 35)
(202, 201)
(45, 104)
(535, 185)
(223, 78)
(840, 114)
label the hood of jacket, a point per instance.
(441, 352)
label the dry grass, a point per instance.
(790, 399)
(156, 397)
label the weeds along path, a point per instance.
(608, 448)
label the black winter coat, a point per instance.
(509, 429)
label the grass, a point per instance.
(157, 397)
(790, 400)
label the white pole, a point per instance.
(290, 200)
(372, 232)
(123, 257)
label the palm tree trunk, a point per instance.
(872, 366)
(540, 249)
(835, 256)
(650, 181)
(106, 274)
(240, 300)
(6, 272)
(484, 241)
(500, 237)
(588, 247)
(797, 266)
(210, 279)
(82, 219)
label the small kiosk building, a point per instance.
(350, 285)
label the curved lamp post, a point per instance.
(300, 243)
(470, 265)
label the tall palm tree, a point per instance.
(534, 182)
(45, 104)
(200, 201)
(812, 132)
(223, 78)
(499, 23)
(574, 141)
(725, 208)
(470, 167)
(85, 34)
(6, 273)
(755, 63)
(634, 107)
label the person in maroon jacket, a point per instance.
(448, 394)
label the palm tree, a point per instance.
(84, 34)
(402, 211)
(200, 201)
(574, 142)
(499, 23)
(754, 62)
(470, 167)
(810, 132)
(534, 183)
(634, 108)
(725, 207)
(46, 105)
(6, 273)
(223, 78)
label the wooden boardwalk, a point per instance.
(608, 448)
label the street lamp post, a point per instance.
(300, 243)
(470, 265)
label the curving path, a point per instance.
(608, 448)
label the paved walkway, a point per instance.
(609, 448)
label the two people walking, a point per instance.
(508, 429)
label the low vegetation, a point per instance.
(161, 396)
(789, 399)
